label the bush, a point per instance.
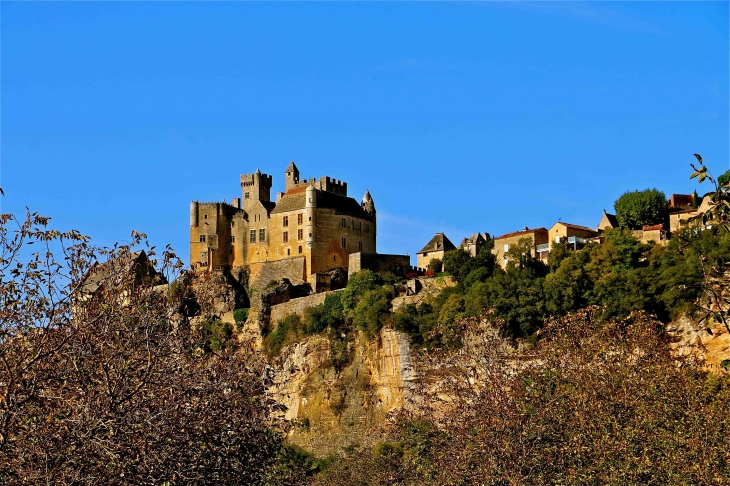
(288, 331)
(239, 317)
(436, 265)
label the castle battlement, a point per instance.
(321, 226)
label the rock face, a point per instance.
(337, 409)
(692, 340)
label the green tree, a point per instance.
(458, 263)
(436, 265)
(637, 208)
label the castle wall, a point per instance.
(296, 306)
(261, 273)
(396, 265)
(328, 252)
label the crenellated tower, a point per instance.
(255, 187)
(291, 176)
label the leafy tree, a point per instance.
(635, 209)
(371, 311)
(358, 284)
(436, 265)
(458, 263)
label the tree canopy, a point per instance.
(635, 209)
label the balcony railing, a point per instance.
(543, 247)
(573, 240)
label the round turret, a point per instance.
(310, 205)
(368, 204)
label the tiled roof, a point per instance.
(296, 199)
(438, 243)
(575, 226)
(652, 227)
(517, 233)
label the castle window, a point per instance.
(233, 223)
(506, 247)
(202, 238)
(300, 234)
(262, 235)
(252, 234)
(359, 245)
(205, 216)
(288, 252)
(344, 222)
(299, 218)
(300, 249)
(285, 237)
(344, 242)
(246, 196)
(233, 239)
(231, 251)
(286, 220)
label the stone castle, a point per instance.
(311, 228)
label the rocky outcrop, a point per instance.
(336, 409)
(710, 348)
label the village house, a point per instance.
(473, 244)
(539, 244)
(435, 248)
(575, 236)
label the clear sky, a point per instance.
(458, 117)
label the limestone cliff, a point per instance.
(710, 348)
(337, 409)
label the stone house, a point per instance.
(607, 221)
(435, 248)
(473, 244)
(539, 242)
(680, 219)
(312, 227)
(576, 236)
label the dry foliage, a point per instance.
(107, 384)
(592, 403)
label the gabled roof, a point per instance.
(518, 233)
(438, 243)
(473, 239)
(296, 199)
(575, 226)
(611, 219)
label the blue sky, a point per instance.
(458, 117)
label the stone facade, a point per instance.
(313, 220)
(565, 231)
(297, 306)
(396, 265)
(473, 244)
(435, 248)
(502, 244)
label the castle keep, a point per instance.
(311, 227)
